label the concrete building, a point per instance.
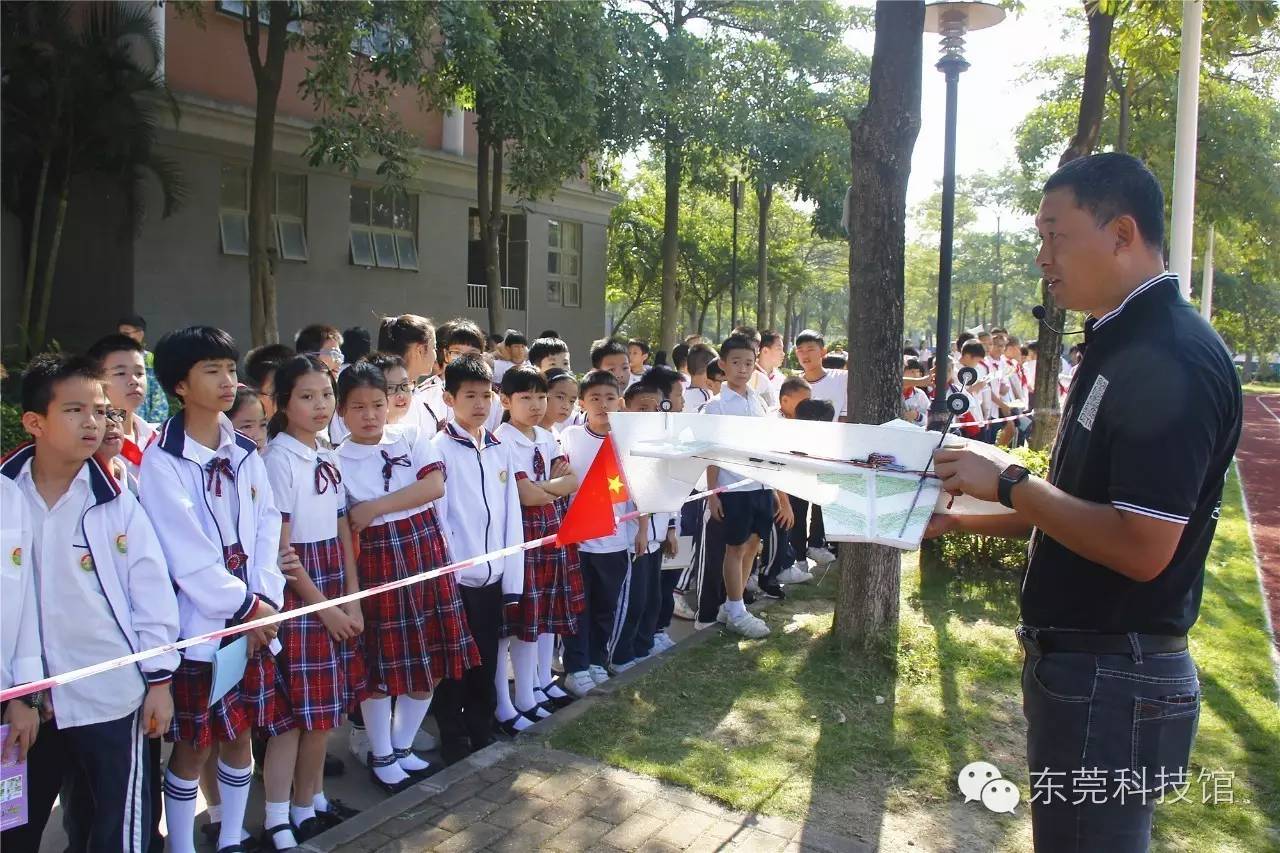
(350, 249)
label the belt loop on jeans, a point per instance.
(1136, 646)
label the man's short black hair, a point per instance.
(715, 372)
(913, 364)
(549, 333)
(459, 331)
(466, 368)
(545, 348)
(963, 338)
(606, 348)
(974, 348)
(911, 351)
(769, 338)
(1113, 184)
(815, 410)
(135, 320)
(1032, 346)
(108, 344)
(310, 339)
(181, 350)
(736, 342)
(514, 339)
(811, 336)
(595, 378)
(680, 356)
(47, 370)
(834, 361)
(662, 378)
(261, 362)
(793, 385)
(636, 389)
(700, 356)
(641, 344)
(357, 342)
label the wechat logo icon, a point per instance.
(981, 781)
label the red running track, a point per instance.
(1258, 458)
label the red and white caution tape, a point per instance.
(992, 420)
(117, 663)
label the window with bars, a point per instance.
(288, 222)
(384, 228)
(564, 263)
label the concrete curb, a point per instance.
(535, 736)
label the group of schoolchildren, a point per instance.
(334, 469)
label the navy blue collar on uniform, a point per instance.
(173, 436)
(105, 488)
(488, 439)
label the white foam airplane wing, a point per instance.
(867, 478)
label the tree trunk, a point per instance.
(267, 75)
(489, 201)
(787, 328)
(51, 259)
(1124, 123)
(999, 280)
(673, 161)
(1088, 126)
(25, 319)
(881, 141)
(764, 199)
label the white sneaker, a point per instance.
(662, 641)
(702, 626)
(722, 615)
(821, 555)
(619, 668)
(683, 610)
(358, 743)
(598, 674)
(750, 626)
(794, 574)
(579, 683)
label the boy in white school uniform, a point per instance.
(207, 492)
(747, 512)
(20, 660)
(121, 360)
(100, 577)
(480, 512)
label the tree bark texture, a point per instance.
(881, 141)
(489, 203)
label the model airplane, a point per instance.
(874, 483)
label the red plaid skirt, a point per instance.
(553, 595)
(413, 631)
(255, 701)
(323, 678)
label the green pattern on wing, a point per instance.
(855, 483)
(891, 522)
(889, 484)
(840, 519)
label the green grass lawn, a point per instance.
(1261, 388)
(792, 726)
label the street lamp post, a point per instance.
(736, 198)
(951, 20)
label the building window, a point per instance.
(384, 228)
(513, 261)
(564, 263)
(288, 222)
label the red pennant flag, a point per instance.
(590, 515)
(131, 451)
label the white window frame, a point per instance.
(237, 217)
(399, 244)
(567, 286)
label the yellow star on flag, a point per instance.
(615, 485)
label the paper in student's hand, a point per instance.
(13, 785)
(228, 667)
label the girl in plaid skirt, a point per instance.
(321, 663)
(418, 633)
(550, 604)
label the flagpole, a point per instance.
(1184, 152)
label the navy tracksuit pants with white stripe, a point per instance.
(606, 581)
(110, 808)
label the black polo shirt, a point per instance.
(1149, 426)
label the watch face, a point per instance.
(1014, 472)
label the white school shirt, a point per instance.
(730, 402)
(633, 378)
(833, 386)
(768, 386)
(523, 450)
(480, 510)
(307, 483)
(917, 401)
(20, 659)
(581, 444)
(427, 408)
(194, 523)
(80, 627)
(658, 524)
(695, 397)
(368, 474)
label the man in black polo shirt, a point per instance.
(1121, 528)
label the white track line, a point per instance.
(1262, 587)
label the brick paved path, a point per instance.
(518, 798)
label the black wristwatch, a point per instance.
(35, 701)
(1010, 477)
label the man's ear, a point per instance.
(33, 423)
(1127, 236)
(448, 399)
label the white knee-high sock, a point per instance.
(377, 722)
(524, 660)
(404, 727)
(505, 710)
(180, 812)
(233, 787)
(546, 677)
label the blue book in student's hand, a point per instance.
(228, 667)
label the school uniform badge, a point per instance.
(86, 563)
(15, 556)
(502, 476)
(122, 544)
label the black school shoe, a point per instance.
(772, 589)
(268, 838)
(337, 812)
(210, 831)
(309, 828)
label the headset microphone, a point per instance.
(1038, 312)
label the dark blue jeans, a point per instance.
(1106, 735)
